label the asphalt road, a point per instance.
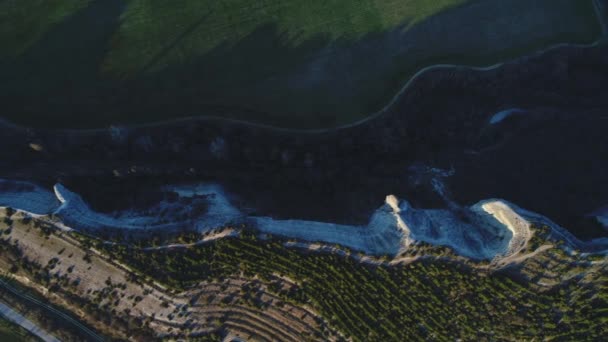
(28, 325)
(52, 311)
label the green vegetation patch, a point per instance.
(23, 22)
(424, 300)
(195, 27)
(290, 63)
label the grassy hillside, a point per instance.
(149, 24)
(290, 63)
(196, 27)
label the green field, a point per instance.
(291, 63)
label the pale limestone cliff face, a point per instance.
(490, 229)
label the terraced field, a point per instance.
(118, 303)
(421, 299)
(296, 64)
(257, 289)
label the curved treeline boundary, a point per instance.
(421, 300)
(292, 64)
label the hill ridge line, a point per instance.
(368, 118)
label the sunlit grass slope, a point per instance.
(149, 24)
(289, 63)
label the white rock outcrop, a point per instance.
(490, 229)
(27, 197)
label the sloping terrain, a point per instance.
(558, 133)
(213, 229)
(491, 229)
(313, 64)
(109, 296)
(257, 289)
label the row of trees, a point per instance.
(425, 300)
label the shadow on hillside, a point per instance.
(264, 77)
(69, 54)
